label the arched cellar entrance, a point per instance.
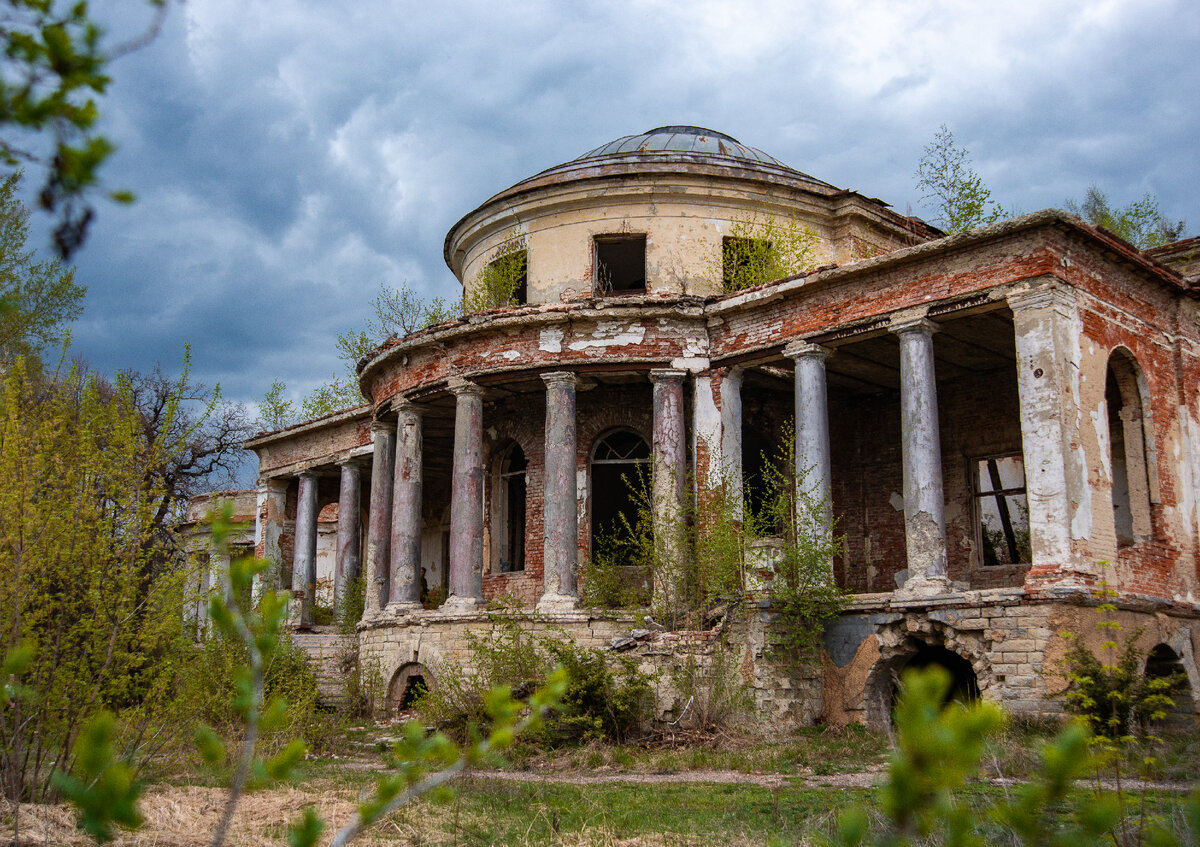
(407, 685)
(1165, 663)
(883, 685)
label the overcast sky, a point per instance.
(290, 156)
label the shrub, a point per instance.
(605, 697)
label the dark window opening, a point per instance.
(618, 476)
(744, 262)
(620, 264)
(512, 510)
(1002, 510)
(1122, 513)
(506, 278)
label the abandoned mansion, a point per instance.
(996, 424)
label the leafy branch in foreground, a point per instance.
(52, 68)
(939, 748)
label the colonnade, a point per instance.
(393, 551)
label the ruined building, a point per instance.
(1001, 420)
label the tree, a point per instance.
(194, 436)
(1141, 223)
(54, 65)
(946, 177)
(87, 593)
(40, 297)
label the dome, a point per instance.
(674, 146)
(682, 139)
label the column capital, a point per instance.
(351, 462)
(311, 473)
(559, 378)
(805, 350)
(922, 325)
(1045, 295)
(667, 375)
(380, 425)
(460, 387)
(408, 408)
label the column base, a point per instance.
(405, 608)
(925, 586)
(552, 603)
(456, 605)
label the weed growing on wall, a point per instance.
(1113, 693)
(701, 570)
(502, 279)
(760, 249)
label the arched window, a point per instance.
(1130, 445)
(615, 475)
(510, 509)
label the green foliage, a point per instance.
(1141, 223)
(710, 694)
(42, 296)
(1114, 694)
(803, 591)
(946, 178)
(53, 67)
(608, 582)
(604, 697)
(501, 281)
(938, 749)
(700, 561)
(102, 786)
(87, 577)
(763, 249)
(274, 410)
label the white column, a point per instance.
(304, 561)
(379, 530)
(560, 509)
(813, 461)
(924, 500)
(1047, 331)
(406, 511)
(347, 568)
(466, 499)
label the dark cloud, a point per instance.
(289, 157)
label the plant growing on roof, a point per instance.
(501, 281)
(760, 249)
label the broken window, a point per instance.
(620, 264)
(1002, 510)
(744, 262)
(511, 510)
(617, 472)
(505, 279)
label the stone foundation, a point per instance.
(1009, 644)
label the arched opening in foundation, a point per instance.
(408, 684)
(1164, 663)
(964, 686)
(883, 684)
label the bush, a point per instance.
(605, 699)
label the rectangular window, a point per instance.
(620, 264)
(505, 279)
(745, 262)
(1001, 509)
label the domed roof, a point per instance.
(681, 139)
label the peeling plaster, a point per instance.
(550, 340)
(611, 334)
